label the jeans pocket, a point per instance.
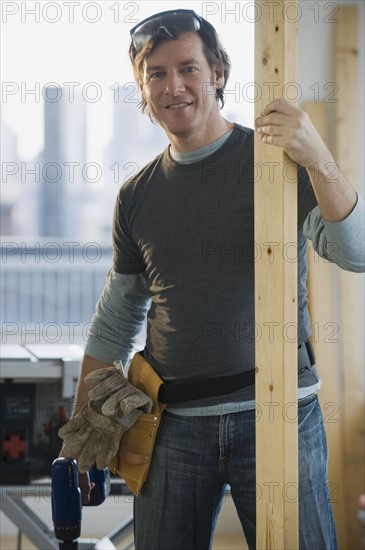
(308, 400)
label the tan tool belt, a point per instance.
(136, 445)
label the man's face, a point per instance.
(179, 87)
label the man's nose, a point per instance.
(174, 84)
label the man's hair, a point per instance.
(214, 51)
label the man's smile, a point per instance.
(179, 105)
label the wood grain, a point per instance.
(275, 299)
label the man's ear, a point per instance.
(218, 77)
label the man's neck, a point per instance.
(189, 143)
(200, 154)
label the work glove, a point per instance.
(93, 437)
(94, 433)
(118, 395)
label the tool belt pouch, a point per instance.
(134, 456)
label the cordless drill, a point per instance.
(66, 499)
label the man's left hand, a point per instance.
(285, 125)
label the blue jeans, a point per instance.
(195, 458)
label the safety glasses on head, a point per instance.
(171, 22)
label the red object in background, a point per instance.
(56, 421)
(14, 447)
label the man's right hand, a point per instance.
(89, 364)
(86, 486)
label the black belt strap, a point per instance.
(173, 393)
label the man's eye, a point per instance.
(190, 69)
(156, 75)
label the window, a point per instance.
(72, 134)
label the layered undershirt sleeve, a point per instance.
(342, 242)
(118, 325)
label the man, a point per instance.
(175, 226)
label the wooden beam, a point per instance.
(275, 295)
(351, 293)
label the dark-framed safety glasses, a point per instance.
(172, 22)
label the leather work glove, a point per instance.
(119, 396)
(95, 432)
(93, 436)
